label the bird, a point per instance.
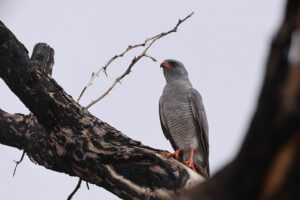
(183, 118)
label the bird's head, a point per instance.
(174, 70)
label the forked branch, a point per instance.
(133, 62)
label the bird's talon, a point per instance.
(175, 154)
(190, 163)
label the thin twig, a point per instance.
(154, 60)
(104, 67)
(75, 190)
(18, 162)
(136, 59)
(87, 185)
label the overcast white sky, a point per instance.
(223, 46)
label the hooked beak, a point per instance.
(165, 65)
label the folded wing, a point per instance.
(201, 121)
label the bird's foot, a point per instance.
(175, 154)
(190, 163)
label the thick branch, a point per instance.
(15, 127)
(67, 138)
(43, 57)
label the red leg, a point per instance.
(190, 162)
(175, 154)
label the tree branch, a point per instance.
(75, 190)
(18, 162)
(104, 67)
(152, 40)
(65, 137)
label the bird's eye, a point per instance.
(173, 63)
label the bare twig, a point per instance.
(75, 190)
(154, 60)
(136, 59)
(18, 162)
(104, 67)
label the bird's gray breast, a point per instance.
(181, 123)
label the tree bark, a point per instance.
(62, 136)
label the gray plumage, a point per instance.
(182, 115)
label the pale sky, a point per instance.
(223, 46)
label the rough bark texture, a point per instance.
(63, 136)
(267, 166)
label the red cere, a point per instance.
(165, 64)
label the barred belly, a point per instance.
(182, 125)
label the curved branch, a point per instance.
(65, 137)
